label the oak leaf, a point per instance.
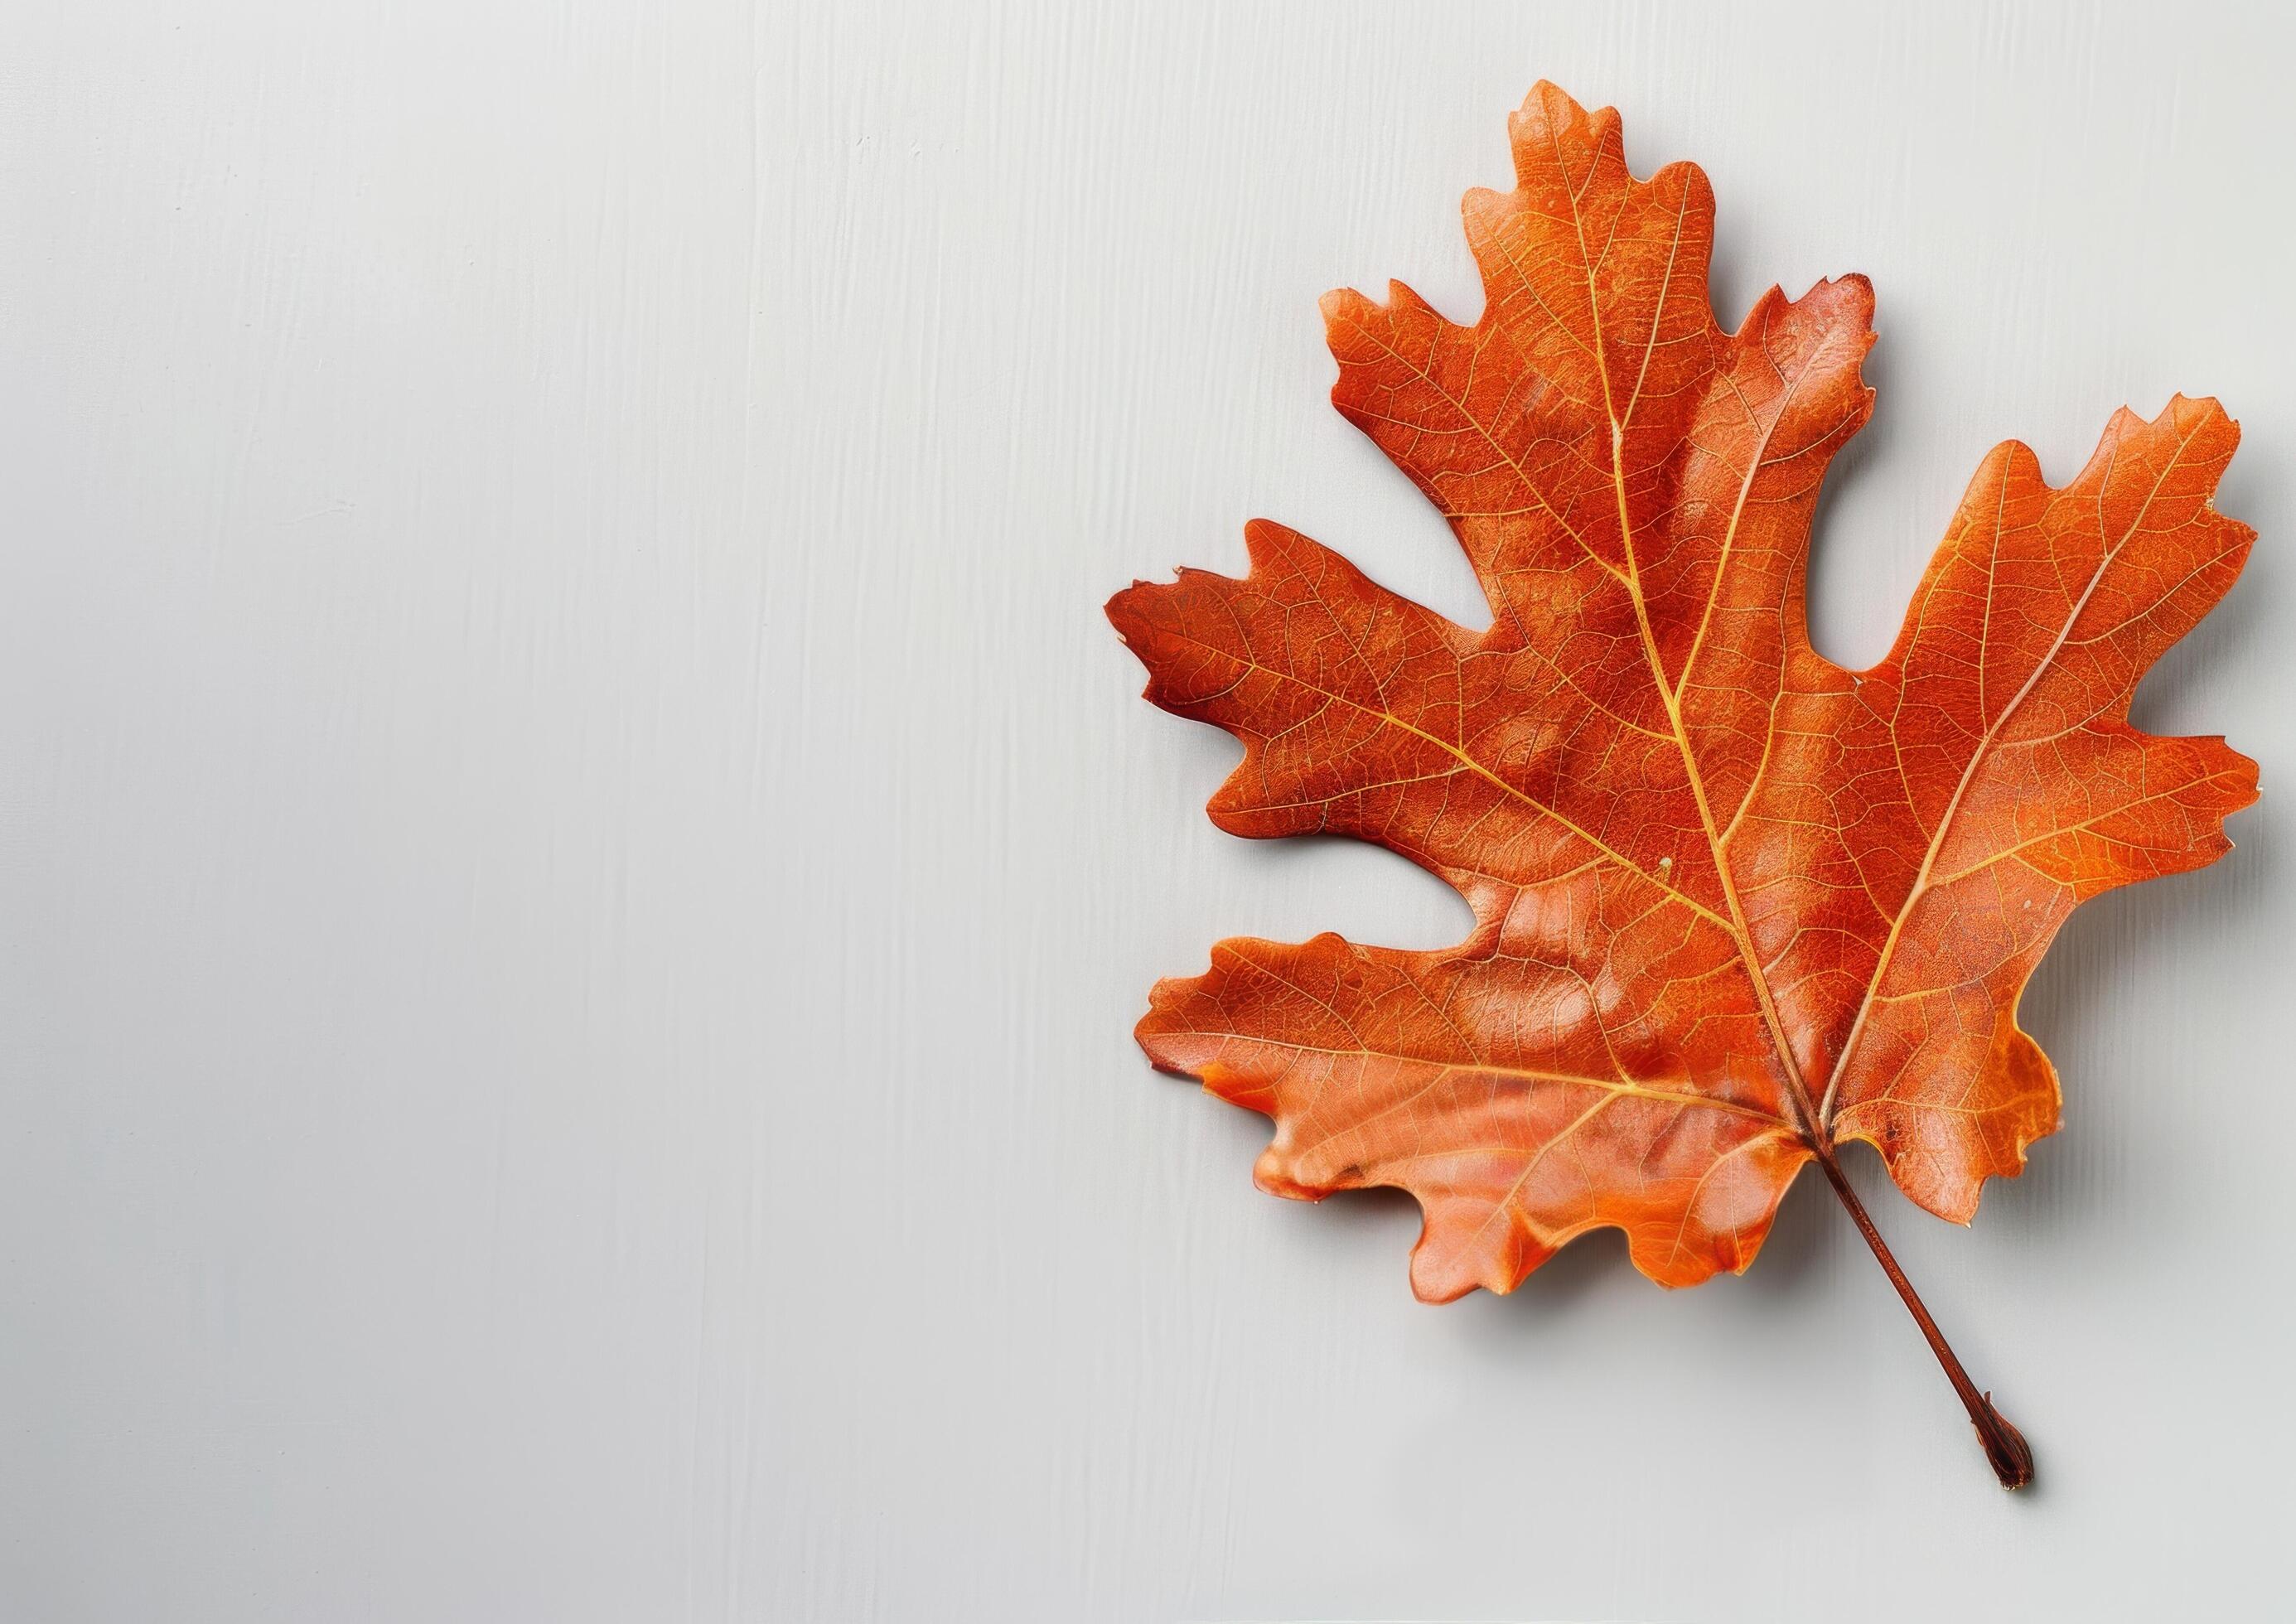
(1734, 904)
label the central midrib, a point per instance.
(1741, 936)
(1741, 939)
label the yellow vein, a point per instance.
(1741, 934)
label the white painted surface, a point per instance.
(577, 860)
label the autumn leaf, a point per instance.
(1735, 906)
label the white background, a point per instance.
(576, 859)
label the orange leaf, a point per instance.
(1734, 904)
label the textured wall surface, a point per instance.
(576, 859)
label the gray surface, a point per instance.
(576, 859)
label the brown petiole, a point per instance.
(2005, 1448)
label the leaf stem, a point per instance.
(2004, 1446)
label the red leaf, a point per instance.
(1734, 904)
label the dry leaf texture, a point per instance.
(1731, 900)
